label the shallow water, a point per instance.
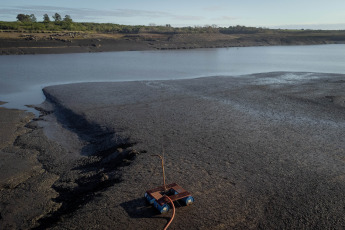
(23, 77)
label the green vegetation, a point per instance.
(67, 24)
(57, 18)
(46, 18)
(28, 23)
(26, 18)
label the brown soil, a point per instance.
(74, 42)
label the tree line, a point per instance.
(26, 22)
(26, 18)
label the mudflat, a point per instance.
(262, 151)
(83, 42)
(25, 187)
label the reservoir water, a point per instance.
(23, 77)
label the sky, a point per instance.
(287, 14)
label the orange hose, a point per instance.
(173, 215)
(162, 159)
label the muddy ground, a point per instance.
(262, 151)
(79, 42)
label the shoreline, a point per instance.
(244, 147)
(33, 162)
(41, 43)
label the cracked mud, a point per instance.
(261, 151)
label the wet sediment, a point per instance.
(260, 151)
(37, 43)
(47, 182)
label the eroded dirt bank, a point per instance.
(42, 181)
(263, 151)
(25, 187)
(76, 42)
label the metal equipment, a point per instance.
(164, 195)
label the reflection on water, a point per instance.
(23, 77)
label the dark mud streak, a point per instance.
(88, 188)
(91, 133)
(97, 172)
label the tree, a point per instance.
(67, 19)
(46, 18)
(57, 17)
(68, 23)
(26, 18)
(33, 18)
(23, 17)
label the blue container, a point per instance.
(149, 198)
(160, 208)
(188, 200)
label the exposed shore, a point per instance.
(75, 42)
(263, 151)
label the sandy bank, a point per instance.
(263, 151)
